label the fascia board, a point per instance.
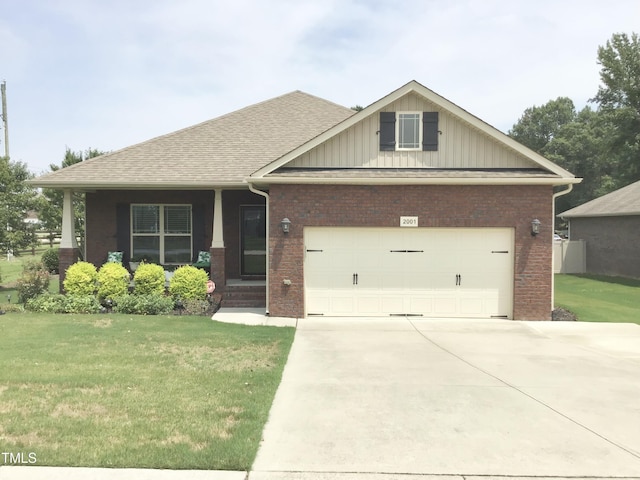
(410, 181)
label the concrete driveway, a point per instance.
(385, 398)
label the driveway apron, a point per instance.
(456, 397)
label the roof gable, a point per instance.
(492, 148)
(222, 151)
(624, 201)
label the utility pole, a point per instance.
(3, 89)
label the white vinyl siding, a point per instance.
(459, 146)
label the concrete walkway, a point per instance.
(400, 398)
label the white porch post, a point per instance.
(217, 237)
(68, 239)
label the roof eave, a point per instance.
(265, 181)
(136, 186)
(594, 215)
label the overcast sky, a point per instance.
(107, 74)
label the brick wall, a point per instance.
(101, 215)
(612, 244)
(101, 219)
(436, 206)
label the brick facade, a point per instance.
(101, 221)
(612, 244)
(436, 206)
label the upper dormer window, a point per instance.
(409, 133)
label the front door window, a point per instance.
(253, 232)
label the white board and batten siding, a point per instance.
(460, 145)
(430, 272)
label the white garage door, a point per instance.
(434, 272)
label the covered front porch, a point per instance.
(173, 228)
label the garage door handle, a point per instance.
(355, 278)
(458, 279)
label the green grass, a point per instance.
(133, 391)
(596, 298)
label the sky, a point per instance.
(106, 74)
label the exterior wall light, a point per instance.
(535, 227)
(285, 224)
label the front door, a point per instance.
(253, 235)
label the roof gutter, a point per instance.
(266, 197)
(553, 219)
(412, 181)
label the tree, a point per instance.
(16, 199)
(571, 139)
(618, 99)
(540, 125)
(50, 207)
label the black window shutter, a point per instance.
(123, 230)
(387, 131)
(198, 230)
(430, 131)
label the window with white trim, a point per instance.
(409, 130)
(161, 233)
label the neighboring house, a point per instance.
(411, 206)
(610, 226)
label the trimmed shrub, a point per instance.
(57, 303)
(33, 282)
(113, 280)
(149, 279)
(51, 260)
(150, 304)
(82, 304)
(48, 302)
(80, 279)
(189, 283)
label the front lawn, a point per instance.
(137, 391)
(595, 298)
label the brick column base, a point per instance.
(68, 256)
(218, 272)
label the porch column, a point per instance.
(218, 273)
(68, 242)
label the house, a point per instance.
(610, 226)
(412, 206)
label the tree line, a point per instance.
(601, 144)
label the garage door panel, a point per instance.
(425, 271)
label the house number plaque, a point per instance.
(408, 221)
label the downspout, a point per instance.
(266, 196)
(553, 222)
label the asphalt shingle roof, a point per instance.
(222, 151)
(625, 201)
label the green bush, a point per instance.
(80, 279)
(150, 304)
(189, 283)
(51, 260)
(113, 280)
(195, 307)
(149, 279)
(57, 303)
(33, 281)
(48, 302)
(82, 304)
